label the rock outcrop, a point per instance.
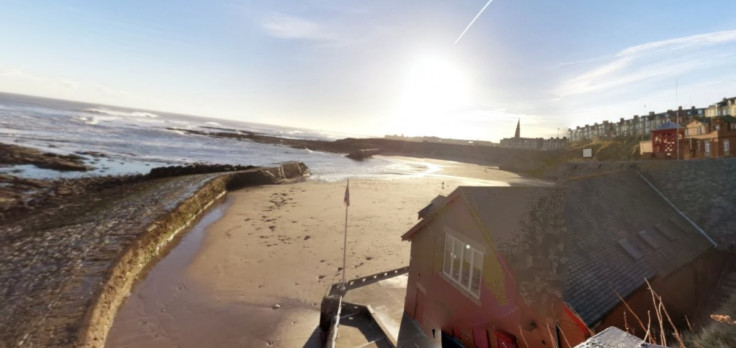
(14, 154)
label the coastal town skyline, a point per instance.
(376, 68)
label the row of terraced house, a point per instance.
(643, 125)
(696, 132)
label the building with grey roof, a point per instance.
(551, 263)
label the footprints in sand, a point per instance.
(271, 220)
(278, 200)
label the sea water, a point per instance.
(134, 141)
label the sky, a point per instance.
(377, 67)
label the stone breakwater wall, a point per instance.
(141, 253)
(65, 270)
(146, 249)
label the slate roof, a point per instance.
(722, 118)
(668, 125)
(497, 208)
(726, 118)
(618, 232)
(725, 101)
(500, 209)
(710, 203)
(606, 215)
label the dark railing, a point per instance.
(337, 288)
(332, 303)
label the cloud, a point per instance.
(665, 58)
(14, 76)
(285, 26)
(682, 43)
(68, 83)
(18, 80)
(8, 73)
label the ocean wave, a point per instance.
(93, 120)
(121, 113)
(176, 131)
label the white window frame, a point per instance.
(475, 263)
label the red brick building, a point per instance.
(665, 140)
(711, 137)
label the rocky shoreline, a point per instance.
(515, 160)
(71, 249)
(14, 154)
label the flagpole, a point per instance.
(345, 236)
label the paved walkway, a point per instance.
(384, 324)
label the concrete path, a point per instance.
(385, 303)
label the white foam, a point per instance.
(120, 113)
(93, 120)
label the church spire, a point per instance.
(518, 129)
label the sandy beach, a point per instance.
(256, 272)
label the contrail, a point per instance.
(471, 22)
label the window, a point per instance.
(726, 146)
(463, 264)
(631, 249)
(707, 146)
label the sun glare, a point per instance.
(434, 91)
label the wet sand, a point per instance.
(254, 271)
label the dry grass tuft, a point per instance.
(721, 331)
